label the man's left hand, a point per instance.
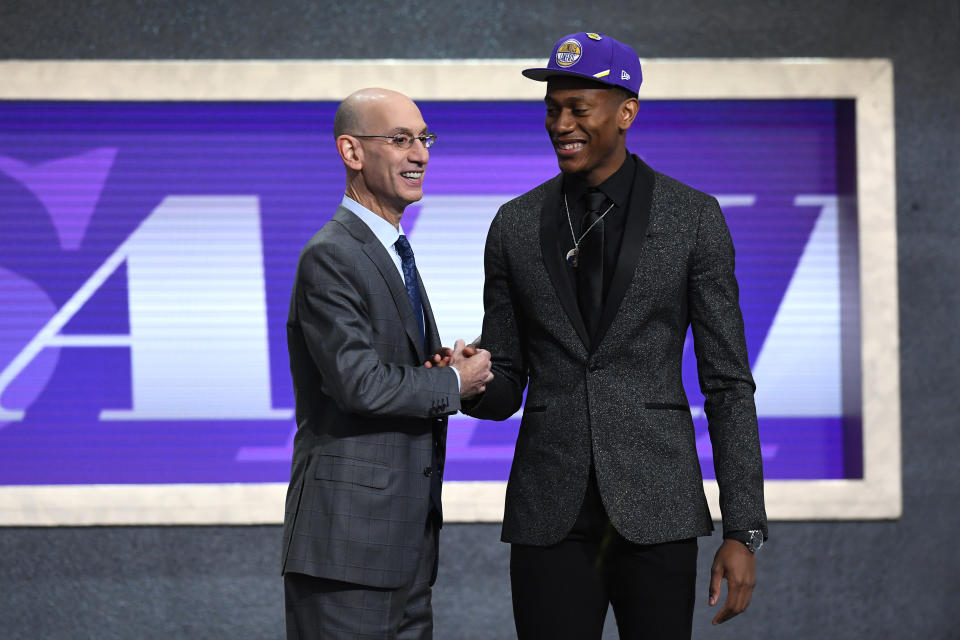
(737, 566)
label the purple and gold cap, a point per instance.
(594, 56)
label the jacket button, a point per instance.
(428, 471)
(593, 367)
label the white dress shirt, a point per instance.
(387, 234)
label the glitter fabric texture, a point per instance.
(619, 398)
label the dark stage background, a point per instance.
(816, 579)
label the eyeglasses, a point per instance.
(405, 140)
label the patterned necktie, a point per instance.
(413, 291)
(410, 279)
(590, 269)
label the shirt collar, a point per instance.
(616, 187)
(386, 233)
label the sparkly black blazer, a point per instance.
(621, 399)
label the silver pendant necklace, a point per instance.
(574, 254)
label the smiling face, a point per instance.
(587, 123)
(387, 178)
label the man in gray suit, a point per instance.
(363, 506)
(592, 280)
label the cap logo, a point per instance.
(569, 52)
(594, 36)
(624, 75)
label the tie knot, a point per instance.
(593, 200)
(403, 248)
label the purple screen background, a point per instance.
(76, 179)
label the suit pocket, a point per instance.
(352, 470)
(667, 406)
(665, 234)
(538, 427)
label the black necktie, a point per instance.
(590, 261)
(410, 279)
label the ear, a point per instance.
(350, 152)
(627, 114)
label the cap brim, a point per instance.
(542, 75)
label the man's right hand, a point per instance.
(473, 365)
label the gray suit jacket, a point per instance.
(368, 412)
(621, 400)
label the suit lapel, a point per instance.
(634, 233)
(430, 323)
(553, 260)
(385, 265)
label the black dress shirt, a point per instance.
(618, 189)
(592, 523)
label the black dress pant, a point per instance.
(563, 591)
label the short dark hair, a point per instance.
(624, 93)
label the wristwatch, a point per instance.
(752, 538)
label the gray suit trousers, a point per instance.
(332, 610)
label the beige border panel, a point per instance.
(870, 82)
(149, 504)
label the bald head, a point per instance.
(383, 175)
(355, 113)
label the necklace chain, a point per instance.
(576, 242)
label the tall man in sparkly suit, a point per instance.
(592, 280)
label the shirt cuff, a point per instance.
(456, 373)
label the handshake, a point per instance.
(470, 361)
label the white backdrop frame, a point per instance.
(878, 495)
